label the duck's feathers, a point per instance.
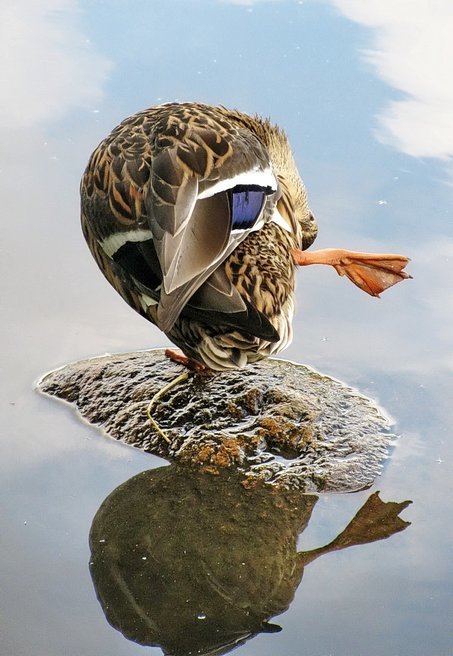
(186, 195)
(216, 303)
(180, 178)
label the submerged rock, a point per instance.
(274, 421)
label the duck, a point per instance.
(196, 214)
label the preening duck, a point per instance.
(198, 217)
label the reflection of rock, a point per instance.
(197, 564)
(275, 420)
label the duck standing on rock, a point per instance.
(198, 217)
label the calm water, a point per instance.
(364, 91)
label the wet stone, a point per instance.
(275, 421)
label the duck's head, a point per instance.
(293, 202)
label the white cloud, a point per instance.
(46, 63)
(413, 51)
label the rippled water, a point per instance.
(364, 92)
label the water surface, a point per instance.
(363, 92)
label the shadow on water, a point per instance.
(199, 564)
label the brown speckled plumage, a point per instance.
(228, 300)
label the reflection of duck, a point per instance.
(197, 216)
(199, 564)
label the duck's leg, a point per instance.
(372, 272)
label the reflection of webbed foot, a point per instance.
(376, 520)
(373, 273)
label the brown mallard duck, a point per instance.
(198, 217)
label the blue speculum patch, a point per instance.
(246, 204)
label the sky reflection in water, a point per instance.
(363, 90)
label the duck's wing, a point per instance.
(216, 301)
(207, 193)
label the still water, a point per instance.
(364, 92)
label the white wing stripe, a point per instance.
(111, 244)
(260, 177)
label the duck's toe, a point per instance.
(180, 358)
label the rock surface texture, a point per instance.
(275, 421)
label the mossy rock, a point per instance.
(275, 421)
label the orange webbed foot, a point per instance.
(180, 358)
(371, 272)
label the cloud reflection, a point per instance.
(412, 52)
(47, 64)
